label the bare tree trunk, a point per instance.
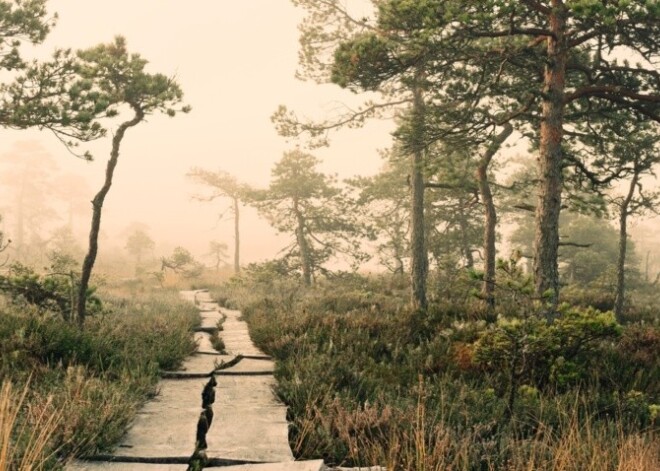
(97, 207)
(305, 257)
(621, 263)
(490, 225)
(237, 242)
(465, 243)
(546, 241)
(399, 251)
(623, 242)
(419, 255)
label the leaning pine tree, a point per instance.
(120, 76)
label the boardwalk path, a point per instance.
(249, 429)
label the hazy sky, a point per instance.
(235, 61)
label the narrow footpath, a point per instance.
(224, 400)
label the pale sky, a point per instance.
(235, 61)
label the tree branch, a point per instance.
(610, 92)
(575, 244)
(538, 6)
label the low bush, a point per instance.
(368, 381)
(97, 377)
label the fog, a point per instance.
(235, 62)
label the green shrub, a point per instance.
(96, 377)
(528, 353)
(350, 373)
(48, 293)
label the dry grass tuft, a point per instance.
(34, 435)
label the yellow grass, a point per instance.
(24, 447)
(377, 437)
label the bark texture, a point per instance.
(624, 212)
(419, 255)
(546, 241)
(490, 225)
(465, 242)
(97, 208)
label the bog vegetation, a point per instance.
(68, 391)
(468, 307)
(369, 380)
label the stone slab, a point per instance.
(236, 336)
(105, 466)
(204, 344)
(213, 314)
(205, 306)
(249, 423)
(203, 296)
(166, 425)
(247, 365)
(362, 468)
(316, 465)
(199, 363)
(233, 313)
(209, 323)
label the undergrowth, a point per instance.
(92, 381)
(369, 382)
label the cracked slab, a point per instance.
(166, 425)
(211, 319)
(214, 314)
(200, 363)
(316, 465)
(249, 423)
(206, 306)
(204, 344)
(248, 365)
(236, 336)
(105, 466)
(203, 296)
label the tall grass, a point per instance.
(90, 381)
(369, 382)
(24, 447)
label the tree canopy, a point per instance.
(307, 204)
(560, 72)
(120, 78)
